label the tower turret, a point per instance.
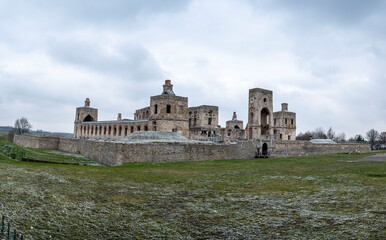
(168, 88)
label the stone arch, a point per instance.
(264, 114)
(265, 149)
(88, 118)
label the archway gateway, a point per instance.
(265, 149)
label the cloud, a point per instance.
(325, 58)
(125, 61)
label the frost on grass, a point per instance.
(190, 201)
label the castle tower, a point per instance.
(84, 114)
(234, 116)
(169, 111)
(284, 124)
(260, 118)
(168, 88)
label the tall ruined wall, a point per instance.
(305, 148)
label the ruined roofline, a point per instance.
(284, 112)
(86, 107)
(260, 90)
(148, 107)
(208, 106)
(169, 96)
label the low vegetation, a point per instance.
(335, 196)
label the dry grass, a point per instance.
(320, 197)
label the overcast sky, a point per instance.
(325, 58)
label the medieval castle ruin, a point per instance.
(171, 113)
(267, 133)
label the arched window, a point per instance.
(88, 118)
(155, 109)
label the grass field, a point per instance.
(333, 196)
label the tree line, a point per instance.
(372, 136)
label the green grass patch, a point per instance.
(316, 197)
(15, 152)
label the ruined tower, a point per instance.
(84, 114)
(169, 111)
(260, 118)
(284, 124)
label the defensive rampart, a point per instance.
(115, 153)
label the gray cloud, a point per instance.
(325, 58)
(129, 61)
(342, 12)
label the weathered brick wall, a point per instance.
(305, 148)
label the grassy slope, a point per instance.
(8, 149)
(315, 197)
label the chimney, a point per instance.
(284, 106)
(119, 118)
(87, 102)
(234, 116)
(168, 86)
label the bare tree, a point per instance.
(382, 138)
(304, 136)
(340, 137)
(330, 133)
(372, 136)
(22, 126)
(319, 134)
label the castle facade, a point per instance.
(169, 112)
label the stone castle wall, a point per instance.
(37, 142)
(305, 148)
(114, 153)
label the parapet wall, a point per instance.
(114, 153)
(305, 148)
